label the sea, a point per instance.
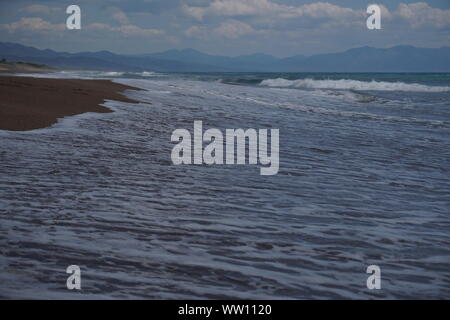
(364, 180)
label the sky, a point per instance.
(224, 27)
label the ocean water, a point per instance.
(363, 180)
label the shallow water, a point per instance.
(364, 179)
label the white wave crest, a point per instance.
(111, 74)
(346, 84)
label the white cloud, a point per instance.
(40, 9)
(130, 30)
(196, 32)
(416, 15)
(32, 25)
(234, 29)
(420, 14)
(244, 7)
(264, 17)
(120, 17)
(99, 27)
(268, 8)
(126, 30)
(43, 27)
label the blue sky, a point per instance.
(226, 27)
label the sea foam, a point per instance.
(345, 84)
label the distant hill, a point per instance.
(364, 59)
(22, 67)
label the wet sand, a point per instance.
(31, 103)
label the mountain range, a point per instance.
(363, 59)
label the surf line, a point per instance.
(234, 147)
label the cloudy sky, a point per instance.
(226, 27)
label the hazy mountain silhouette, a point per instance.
(364, 59)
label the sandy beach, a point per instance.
(30, 103)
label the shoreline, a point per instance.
(28, 103)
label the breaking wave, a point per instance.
(111, 74)
(345, 84)
(119, 74)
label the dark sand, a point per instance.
(32, 103)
